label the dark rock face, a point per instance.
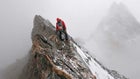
(51, 58)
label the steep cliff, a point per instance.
(51, 58)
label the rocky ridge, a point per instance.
(51, 58)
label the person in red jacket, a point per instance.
(61, 27)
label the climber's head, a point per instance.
(58, 19)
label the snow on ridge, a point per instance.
(95, 68)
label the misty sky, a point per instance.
(81, 17)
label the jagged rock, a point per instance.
(51, 58)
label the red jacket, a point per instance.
(63, 24)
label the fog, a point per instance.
(80, 16)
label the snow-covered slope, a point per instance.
(93, 65)
(96, 67)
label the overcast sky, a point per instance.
(80, 16)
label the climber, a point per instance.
(61, 29)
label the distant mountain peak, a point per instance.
(118, 5)
(120, 22)
(119, 8)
